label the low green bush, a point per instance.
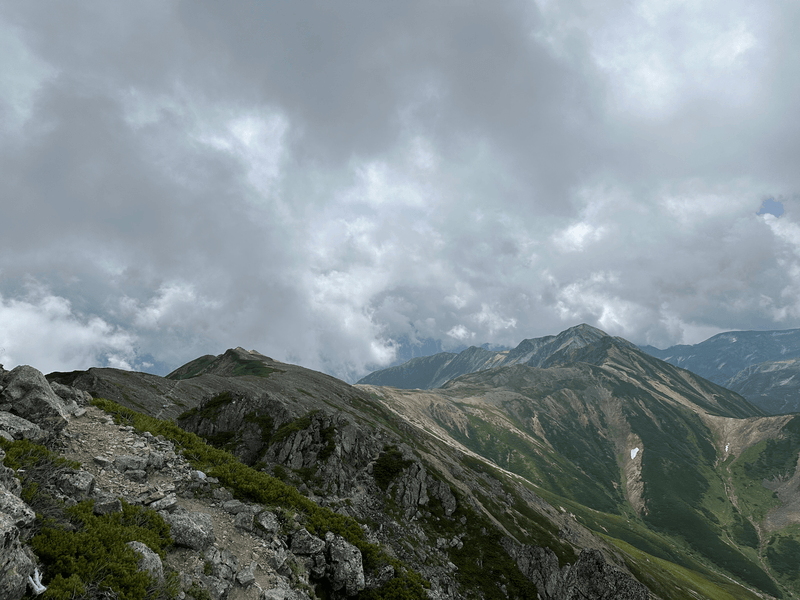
(389, 465)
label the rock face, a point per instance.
(29, 396)
(590, 577)
(16, 562)
(345, 566)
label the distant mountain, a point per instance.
(434, 371)
(759, 365)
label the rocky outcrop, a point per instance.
(589, 577)
(27, 394)
(13, 427)
(345, 568)
(16, 561)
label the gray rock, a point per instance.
(130, 463)
(21, 429)
(102, 462)
(282, 591)
(16, 563)
(234, 507)
(217, 588)
(221, 494)
(276, 558)
(246, 576)
(168, 503)
(7, 477)
(441, 491)
(590, 577)
(267, 523)
(149, 561)
(345, 567)
(412, 489)
(305, 544)
(70, 394)
(32, 398)
(244, 520)
(20, 513)
(156, 460)
(136, 475)
(77, 484)
(107, 505)
(194, 529)
(224, 563)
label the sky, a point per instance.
(344, 184)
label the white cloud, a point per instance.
(43, 330)
(461, 333)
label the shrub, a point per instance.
(388, 466)
(95, 554)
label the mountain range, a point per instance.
(573, 466)
(762, 366)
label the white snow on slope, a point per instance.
(634, 452)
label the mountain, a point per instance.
(621, 465)
(434, 371)
(757, 364)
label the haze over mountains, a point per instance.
(569, 442)
(762, 366)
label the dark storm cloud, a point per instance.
(319, 181)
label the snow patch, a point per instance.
(634, 452)
(785, 381)
(726, 447)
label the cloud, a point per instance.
(44, 330)
(329, 184)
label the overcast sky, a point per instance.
(330, 183)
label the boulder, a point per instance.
(21, 429)
(20, 513)
(32, 398)
(107, 505)
(149, 561)
(168, 503)
(305, 544)
(76, 484)
(70, 394)
(246, 575)
(345, 567)
(194, 529)
(244, 520)
(217, 588)
(267, 523)
(16, 562)
(126, 462)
